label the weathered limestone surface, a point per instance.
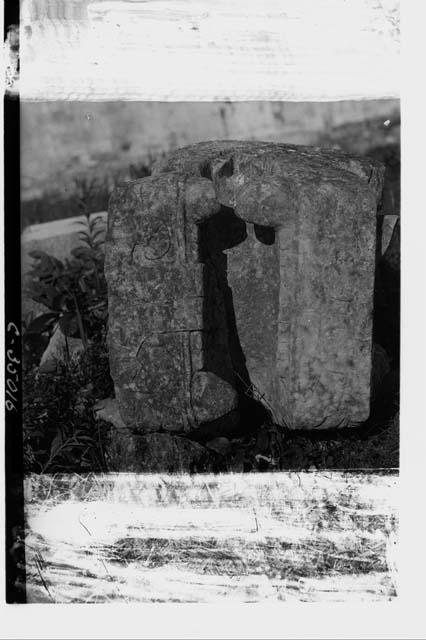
(238, 269)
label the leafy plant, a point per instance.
(92, 194)
(74, 290)
(34, 341)
(60, 430)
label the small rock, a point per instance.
(259, 457)
(86, 390)
(108, 410)
(56, 351)
(220, 445)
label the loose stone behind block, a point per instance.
(243, 269)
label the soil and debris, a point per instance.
(274, 448)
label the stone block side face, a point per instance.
(312, 296)
(157, 309)
(327, 259)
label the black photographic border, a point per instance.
(14, 492)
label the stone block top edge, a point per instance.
(297, 162)
(258, 179)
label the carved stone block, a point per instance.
(241, 280)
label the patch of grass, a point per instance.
(59, 426)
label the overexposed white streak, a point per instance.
(203, 538)
(202, 50)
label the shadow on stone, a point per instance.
(224, 355)
(387, 289)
